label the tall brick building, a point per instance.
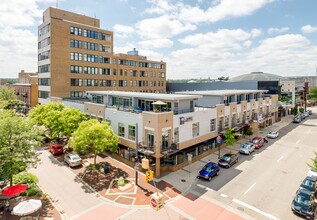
(75, 55)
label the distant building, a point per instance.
(26, 89)
(75, 55)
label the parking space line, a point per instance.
(280, 158)
(204, 187)
(297, 141)
(224, 195)
(250, 188)
(255, 209)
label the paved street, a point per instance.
(259, 186)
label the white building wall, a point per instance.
(203, 117)
(227, 110)
(79, 106)
(126, 118)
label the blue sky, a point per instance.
(197, 38)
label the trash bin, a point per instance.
(105, 169)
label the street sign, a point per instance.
(153, 203)
(219, 140)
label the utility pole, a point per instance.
(136, 154)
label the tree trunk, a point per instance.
(95, 157)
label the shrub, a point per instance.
(24, 178)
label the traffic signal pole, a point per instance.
(136, 155)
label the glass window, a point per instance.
(131, 132)
(195, 129)
(213, 124)
(121, 129)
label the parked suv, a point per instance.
(296, 119)
(228, 160)
(302, 204)
(258, 142)
(209, 170)
(247, 148)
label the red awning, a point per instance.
(14, 190)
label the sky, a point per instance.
(196, 38)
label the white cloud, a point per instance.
(277, 30)
(256, 32)
(123, 29)
(156, 43)
(162, 27)
(309, 29)
(289, 54)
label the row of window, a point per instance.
(90, 34)
(131, 131)
(109, 83)
(44, 81)
(43, 43)
(141, 64)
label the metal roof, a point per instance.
(222, 92)
(153, 96)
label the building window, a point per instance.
(131, 132)
(195, 129)
(90, 46)
(104, 48)
(76, 82)
(91, 58)
(76, 94)
(121, 130)
(105, 71)
(91, 34)
(75, 31)
(149, 138)
(44, 94)
(44, 30)
(75, 44)
(90, 70)
(44, 55)
(212, 124)
(238, 118)
(105, 37)
(44, 81)
(75, 56)
(226, 121)
(176, 135)
(76, 69)
(44, 68)
(104, 59)
(44, 43)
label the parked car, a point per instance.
(72, 160)
(228, 160)
(309, 183)
(312, 173)
(272, 134)
(296, 119)
(302, 204)
(306, 114)
(56, 149)
(258, 142)
(310, 112)
(247, 148)
(209, 170)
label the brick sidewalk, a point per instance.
(130, 194)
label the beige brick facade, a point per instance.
(75, 56)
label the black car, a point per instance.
(228, 160)
(309, 183)
(302, 204)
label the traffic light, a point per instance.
(149, 175)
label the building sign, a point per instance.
(182, 120)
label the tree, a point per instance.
(93, 137)
(58, 119)
(249, 131)
(314, 164)
(230, 136)
(13, 104)
(17, 136)
(312, 93)
(7, 94)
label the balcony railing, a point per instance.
(146, 149)
(171, 149)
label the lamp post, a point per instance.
(219, 141)
(136, 154)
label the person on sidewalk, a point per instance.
(265, 140)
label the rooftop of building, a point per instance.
(222, 92)
(154, 96)
(257, 76)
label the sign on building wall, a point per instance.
(182, 120)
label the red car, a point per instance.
(258, 142)
(56, 149)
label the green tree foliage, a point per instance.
(230, 136)
(294, 110)
(13, 104)
(17, 136)
(7, 94)
(93, 137)
(249, 131)
(312, 93)
(314, 164)
(58, 119)
(223, 78)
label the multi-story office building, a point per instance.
(75, 55)
(168, 127)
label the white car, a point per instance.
(247, 148)
(312, 173)
(272, 134)
(72, 160)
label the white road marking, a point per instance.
(280, 158)
(223, 195)
(297, 142)
(249, 188)
(204, 187)
(255, 209)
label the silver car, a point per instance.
(247, 148)
(72, 160)
(272, 134)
